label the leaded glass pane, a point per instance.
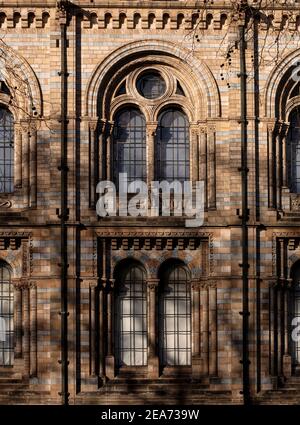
(151, 85)
(6, 151)
(175, 318)
(130, 145)
(131, 318)
(172, 146)
(6, 317)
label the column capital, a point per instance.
(195, 284)
(152, 284)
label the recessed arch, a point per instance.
(278, 86)
(22, 82)
(203, 84)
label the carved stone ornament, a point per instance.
(295, 203)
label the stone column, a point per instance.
(26, 328)
(203, 160)
(93, 161)
(18, 157)
(284, 158)
(211, 178)
(101, 166)
(109, 150)
(270, 128)
(25, 165)
(33, 328)
(110, 359)
(101, 329)
(150, 151)
(153, 360)
(278, 170)
(196, 342)
(93, 295)
(287, 358)
(194, 153)
(33, 165)
(279, 328)
(213, 346)
(272, 327)
(204, 321)
(17, 317)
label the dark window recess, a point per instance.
(293, 151)
(179, 89)
(175, 317)
(6, 316)
(151, 85)
(121, 90)
(129, 147)
(131, 317)
(6, 151)
(172, 146)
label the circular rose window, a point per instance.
(151, 85)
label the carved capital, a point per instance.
(151, 129)
(152, 284)
(93, 124)
(195, 284)
(21, 284)
(202, 129)
(93, 284)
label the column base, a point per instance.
(287, 366)
(110, 367)
(197, 367)
(153, 367)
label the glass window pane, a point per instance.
(131, 318)
(6, 151)
(175, 317)
(172, 146)
(6, 317)
(151, 85)
(129, 145)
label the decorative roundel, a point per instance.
(151, 85)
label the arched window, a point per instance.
(6, 316)
(293, 151)
(295, 314)
(131, 317)
(6, 151)
(129, 136)
(174, 317)
(172, 146)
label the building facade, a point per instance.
(145, 309)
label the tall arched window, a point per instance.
(6, 151)
(131, 317)
(129, 137)
(295, 313)
(172, 146)
(6, 316)
(293, 151)
(174, 319)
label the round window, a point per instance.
(151, 85)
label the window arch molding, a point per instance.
(127, 102)
(202, 82)
(198, 96)
(25, 103)
(173, 104)
(151, 108)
